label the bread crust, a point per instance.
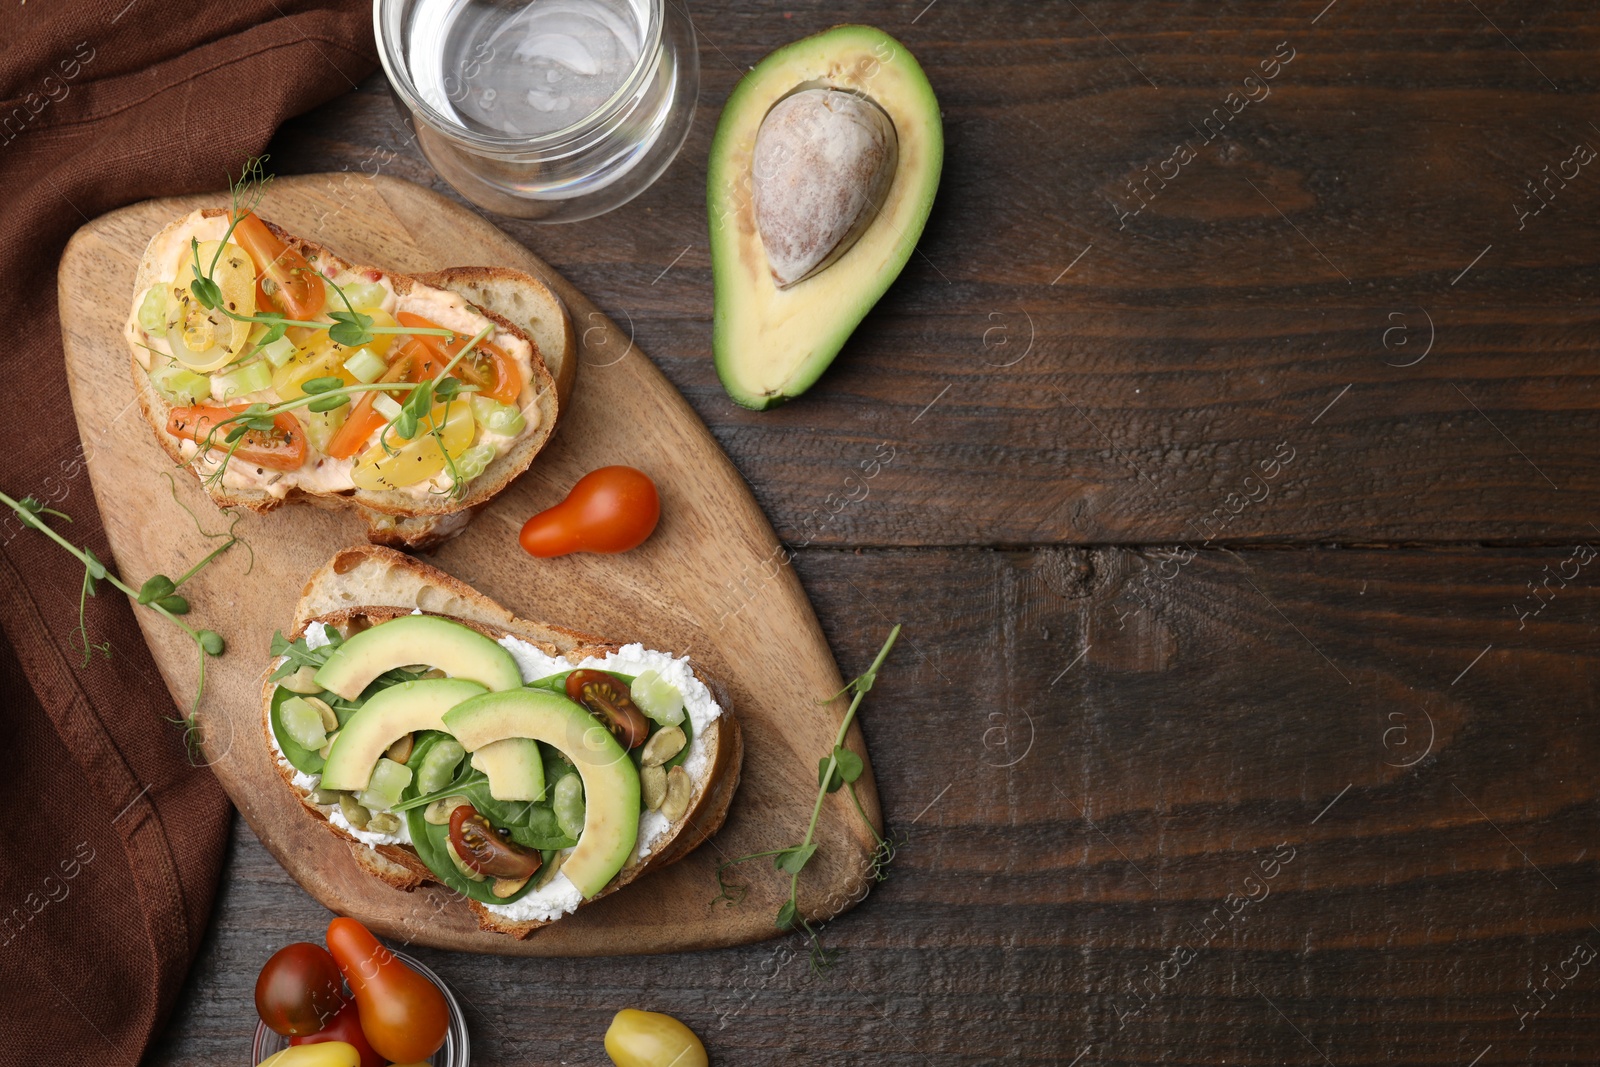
(373, 584)
(392, 517)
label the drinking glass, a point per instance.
(553, 110)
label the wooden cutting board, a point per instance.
(706, 584)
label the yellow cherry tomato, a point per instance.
(321, 358)
(380, 341)
(204, 339)
(650, 1039)
(327, 1054)
(420, 458)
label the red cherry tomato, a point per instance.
(612, 509)
(299, 990)
(295, 286)
(402, 1013)
(282, 448)
(346, 1027)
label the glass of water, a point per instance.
(555, 110)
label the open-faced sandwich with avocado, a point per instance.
(279, 372)
(528, 767)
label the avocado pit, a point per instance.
(822, 166)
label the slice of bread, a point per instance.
(517, 303)
(370, 584)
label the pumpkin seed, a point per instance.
(400, 751)
(438, 812)
(330, 721)
(353, 812)
(679, 790)
(302, 682)
(550, 870)
(324, 797)
(662, 746)
(506, 887)
(653, 786)
(384, 823)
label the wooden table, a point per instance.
(1241, 533)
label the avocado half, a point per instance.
(773, 343)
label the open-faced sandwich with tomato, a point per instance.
(279, 372)
(527, 767)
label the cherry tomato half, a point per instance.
(300, 990)
(611, 703)
(346, 1027)
(284, 279)
(283, 448)
(482, 848)
(402, 1013)
(612, 509)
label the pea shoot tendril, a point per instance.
(839, 769)
(159, 593)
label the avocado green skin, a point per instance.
(834, 325)
(610, 781)
(459, 651)
(383, 720)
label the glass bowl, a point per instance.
(455, 1052)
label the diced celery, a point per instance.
(322, 425)
(179, 385)
(153, 310)
(474, 461)
(363, 296)
(303, 723)
(386, 405)
(279, 352)
(383, 789)
(496, 417)
(250, 378)
(657, 698)
(366, 365)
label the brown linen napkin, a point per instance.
(110, 842)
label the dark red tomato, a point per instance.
(611, 703)
(346, 1027)
(612, 509)
(299, 990)
(482, 848)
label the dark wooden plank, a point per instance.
(1069, 820)
(1277, 272)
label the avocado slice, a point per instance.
(610, 782)
(386, 718)
(459, 651)
(514, 767)
(774, 338)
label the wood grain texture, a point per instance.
(672, 594)
(1202, 728)
(1067, 823)
(1179, 350)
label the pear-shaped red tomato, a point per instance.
(612, 509)
(402, 1013)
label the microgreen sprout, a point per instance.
(839, 769)
(159, 593)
